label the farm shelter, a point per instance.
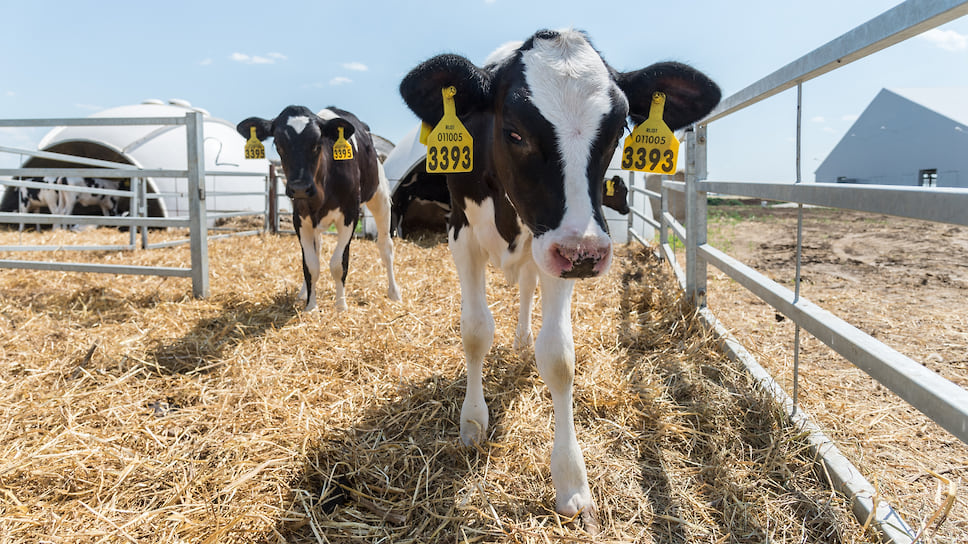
(912, 136)
(160, 147)
(421, 201)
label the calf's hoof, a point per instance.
(580, 507)
(394, 293)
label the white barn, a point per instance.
(916, 137)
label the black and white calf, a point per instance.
(61, 202)
(325, 191)
(546, 116)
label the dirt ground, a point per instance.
(905, 282)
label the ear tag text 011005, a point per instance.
(450, 148)
(342, 150)
(651, 147)
(253, 147)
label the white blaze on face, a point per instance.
(570, 86)
(298, 123)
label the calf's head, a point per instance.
(300, 137)
(547, 116)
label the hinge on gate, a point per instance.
(201, 192)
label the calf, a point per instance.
(325, 191)
(615, 195)
(545, 116)
(107, 203)
(60, 202)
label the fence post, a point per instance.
(695, 215)
(197, 220)
(273, 204)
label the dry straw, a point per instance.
(133, 413)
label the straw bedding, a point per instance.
(130, 412)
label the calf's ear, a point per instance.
(421, 88)
(690, 95)
(330, 129)
(263, 128)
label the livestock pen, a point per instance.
(135, 413)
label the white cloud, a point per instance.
(340, 80)
(850, 117)
(355, 66)
(270, 58)
(205, 62)
(949, 40)
(818, 119)
(10, 93)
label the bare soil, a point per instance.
(905, 282)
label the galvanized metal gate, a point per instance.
(197, 222)
(941, 400)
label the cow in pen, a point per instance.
(545, 116)
(327, 187)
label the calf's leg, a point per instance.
(340, 261)
(476, 330)
(309, 245)
(554, 351)
(379, 206)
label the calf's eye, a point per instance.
(514, 137)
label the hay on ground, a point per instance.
(133, 413)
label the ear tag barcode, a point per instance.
(342, 150)
(253, 147)
(450, 148)
(651, 147)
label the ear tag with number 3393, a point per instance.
(450, 148)
(342, 150)
(651, 147)
(253, 147)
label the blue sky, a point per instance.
(239, 59)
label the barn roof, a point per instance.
(952, 102)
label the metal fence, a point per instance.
(197, 221)
(941, 400)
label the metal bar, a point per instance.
(123, 247)
(242, 213)
(651, 194)
(100, 268)
(844, 476)
(695, 221)
(676, 227)
(92, 172)
(678, 186)
(799, 253)
(941, 400)
(47, 219)
(198, 223)
(92, 122)
(893, 26)
(638, 238)
(67, 158)
(648, 220)
(943, 205)
(67, 188)
(234, 174)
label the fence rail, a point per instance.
(196, 221)
(941, 400)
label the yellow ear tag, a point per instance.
(253, 147)
(342, 150)
(450, 148)
(609, 187)
(651, 147)
(424, 132)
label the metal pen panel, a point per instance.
(943, 205)
(943, 401)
